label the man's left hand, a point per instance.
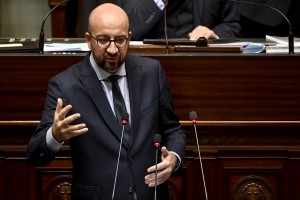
(165, 168)
(202, 31)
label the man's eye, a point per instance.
(119, 40)
(102, 40)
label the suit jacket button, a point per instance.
(131, 160)
(130, 189)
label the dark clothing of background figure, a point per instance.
(260, 21)
(146, 18)
(94, 154)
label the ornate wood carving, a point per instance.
(173, 189)
(253, 188)
(59, 188)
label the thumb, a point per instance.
(164, 153)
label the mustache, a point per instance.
(109, 55)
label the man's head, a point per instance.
(108, 22)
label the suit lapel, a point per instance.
(94, 88)
(134, 78)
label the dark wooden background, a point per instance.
(248, 124)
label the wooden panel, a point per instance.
(16, 177)
(24, 83)
(294, 175)
(248, 122)
(221, 88)
(217, 87)
(58, 19)
(268, 170)
(2, 168)
(226, 173)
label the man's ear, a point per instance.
(88, 39)
(129, 35)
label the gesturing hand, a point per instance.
(61, 128)
(165, 168)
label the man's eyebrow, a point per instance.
(106, 36)
(102, 36)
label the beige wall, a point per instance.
(23, 18)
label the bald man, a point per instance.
(79, 108)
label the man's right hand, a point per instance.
(61, 130)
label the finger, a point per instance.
(161, 177)
(160, 166)
(65, 132)
(196, 33)
(63, 113)
(76, 128)
(192, 36)
(76, 132)
(152, 172)
(195, 36)
(79, 132)
(71, 118)
(73, 130)
(209, 34)
(58, 106)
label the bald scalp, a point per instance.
(107, 13)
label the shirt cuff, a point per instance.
(178, 161)
(160, 4)
(52, 144)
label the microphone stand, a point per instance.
(193, 117)
(165, 21)
(124, 121)
(156, 172)
(42, 35)
(194, 122)
(291, 34)
(157, 140)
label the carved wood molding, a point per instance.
(59, 188)
(253, 187)
(245, 140)
(210, 133)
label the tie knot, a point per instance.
(113, 78)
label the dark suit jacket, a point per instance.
(146, 19)
(264, 15)
(94, 154)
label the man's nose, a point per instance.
(112, 48)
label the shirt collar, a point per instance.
(101, 74)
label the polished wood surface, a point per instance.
(58, 19)
(217, 87)
(248, 123)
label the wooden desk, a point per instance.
(218, 87)
(248, 111)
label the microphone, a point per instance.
(42, 35)
(291, 34)
(193, 118)
(165, 21)
(157, 140)
(124, 119)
